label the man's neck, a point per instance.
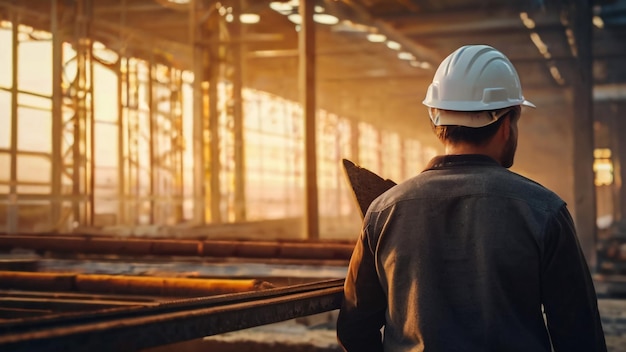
(463, 148)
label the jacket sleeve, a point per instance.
(569, 296)
(362, 313)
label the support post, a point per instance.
(584, 187)
(214, 135)
(12, 209)
(238, 73)
(78, 104)
(306, 43)
(57, 114)
(199, 194)
(620, 160)
(90, 133)
(153, 165)
(177, 141)
(82, 122)
(121, 155)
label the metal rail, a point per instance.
(134, 328)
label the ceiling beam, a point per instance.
(453, 23)
(423, 53)
(127, 8)
(389, 80)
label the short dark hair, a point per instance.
(471, 135)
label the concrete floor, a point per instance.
(317, 334)
(613, 313)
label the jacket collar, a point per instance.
(447, 161)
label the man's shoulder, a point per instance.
(515, 185)
(495, 182)
(526, 182)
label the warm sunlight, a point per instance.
(140, 140)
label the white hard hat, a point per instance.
(474, 78)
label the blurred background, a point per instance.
(200, 120)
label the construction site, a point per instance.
(174, 174)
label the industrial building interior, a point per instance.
(171, 170)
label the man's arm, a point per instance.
(362, 312)
(569, 297)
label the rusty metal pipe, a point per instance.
(203, 248)
(121, 284)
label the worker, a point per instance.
(468, 255)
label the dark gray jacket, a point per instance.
(461, 258)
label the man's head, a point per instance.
(498, 139)
(474, 102)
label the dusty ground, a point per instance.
(317, 334)
(309, 334)
(613, 313)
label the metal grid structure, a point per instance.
(145, 131)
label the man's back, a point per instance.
(463, 252)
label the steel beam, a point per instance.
(473, 23)
(187, 248)
(422, 52)
(114, 9)
(135, 328)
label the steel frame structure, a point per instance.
(149, 146)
